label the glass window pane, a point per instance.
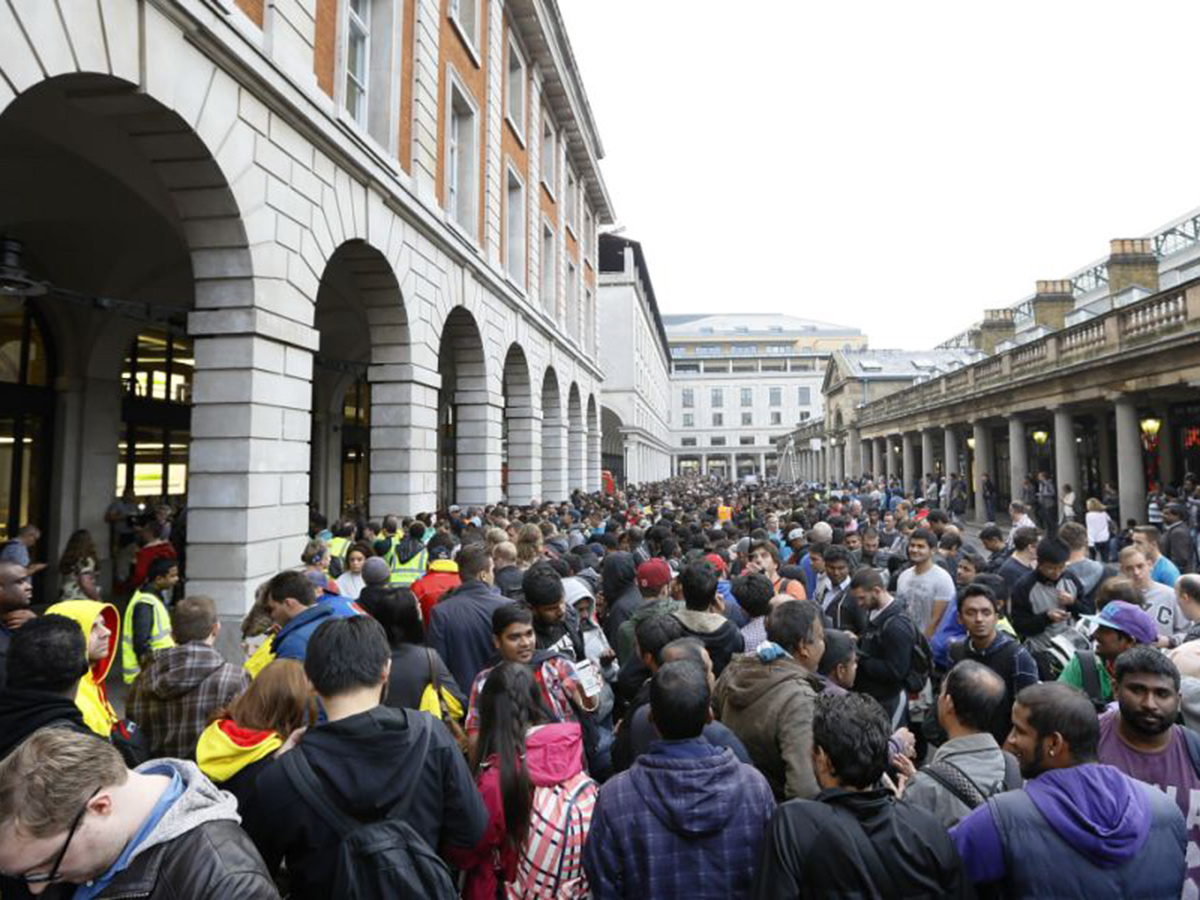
(12, 316)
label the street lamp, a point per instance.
(1040, 437)
(1150, 427)
(971, 443)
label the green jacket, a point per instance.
(1072, 674)
(626, 633)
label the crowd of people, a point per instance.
(687, 689)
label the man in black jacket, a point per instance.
(885, 646)
(71, 812)
(369, 759)
(854, 839)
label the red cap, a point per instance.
(653, 574)
(716, 560)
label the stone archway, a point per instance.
(554, 440)
(468, 419)
(576, 440)
(592, 475)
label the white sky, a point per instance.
(899, 167)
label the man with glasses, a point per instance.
(16, 592)
(71, 812)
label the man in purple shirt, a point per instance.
(1141, 739)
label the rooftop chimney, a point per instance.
(997, 327)
(1052, 302)
(1131, 263)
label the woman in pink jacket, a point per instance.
(529, 770)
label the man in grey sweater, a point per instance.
(970, 767)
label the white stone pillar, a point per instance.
(524, 455)
(877, 464)
(839, 461)
(592, 483)
(926, 452)
(908, 475)
(576, 457)
(1066, 457)
(889, 458)
(1018, 456)
(477, 447)
(983, 463)
(554, 458)
(1131, 473)
(950, 438)
(854, 448)
(404, 461)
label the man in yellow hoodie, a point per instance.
(101, 624)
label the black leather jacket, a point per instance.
(215, 860)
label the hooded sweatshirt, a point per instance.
(91, 697)
(23, 711)
(176, 693)
(233, 756)
(687, 820)
(618, 581)
(554, 760)
(368, 763)
(1087, 831)
(769, 706)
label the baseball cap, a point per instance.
(1126, 617)
(716, 560)
(795, 534)
(653, 574)
(376, 571)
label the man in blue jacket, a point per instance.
(460, 625)
(292, 604)
(1078, 828)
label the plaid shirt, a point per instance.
(558, 681)
(174, 697)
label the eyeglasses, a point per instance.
(52, 875)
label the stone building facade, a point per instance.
(266, 255)
(636, 361)
(1093, 379)
(740, 380)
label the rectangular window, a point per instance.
(747, 396)
(549, 271)
(515, 222)
(570, 204)
(462, 159)
(776, 418)
(358, 52)
(572, 297)
(708, 350)
(687, 442)
(747, 419)
(718, 420)
(776, 395)
(689, 398)
(718, 398)
(514, 95)
(465, 15)
(717, 442)
(804, 417)
(689, 420)
(589, 234)
(549, 155)
(746, 440)
(805, 396)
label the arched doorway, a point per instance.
(591, 477)
(577, 441)
(520, 432)
(613, 445)
(26, 415)
(554, 440)
(464, 416)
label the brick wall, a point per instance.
(324, 51)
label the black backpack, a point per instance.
(1089, 670)
(382, 859)
(920, 663)
(956, 781)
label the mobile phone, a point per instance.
(588, 679)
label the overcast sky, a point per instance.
(898, 167)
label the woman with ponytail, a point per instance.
(529, 770)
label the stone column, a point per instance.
(524, 455)
(1066, 458)
(1018, 455)
(839, 461)
(909, 474)
(983, 464)
(1131, 473)
(592, 483)
(877, 458)
(554, 458)
(404, 412)
(854, 449)
(477, 447)
(926, 451)
(889, 458)
(950, 438)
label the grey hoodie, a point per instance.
(200, 802)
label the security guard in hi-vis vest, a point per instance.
(147, 622)
(408, 559)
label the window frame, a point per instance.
(775, 396)
(358, 118)
(747, 419)
(718, 420)
(518, 276)
(548, 125)
(517, 123)
(689, 420)
(470, 38)
(687, 398)
(454, 85)
(571, 201)
(549, 268)
(716, 398)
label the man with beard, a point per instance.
(1079, 828)
(1143, 741)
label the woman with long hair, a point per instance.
(350, 582)
(243, 738)
(529, 546)
(529, 770)
(1096, 520)
(78, 568)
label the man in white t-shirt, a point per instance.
(925, 588)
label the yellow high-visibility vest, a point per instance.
(160, 632)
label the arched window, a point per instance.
(26, 416)
(156, 413)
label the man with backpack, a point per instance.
(359, 805)
(1119, 627)
(1142, 739)
(886, 646)
(970, 766)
